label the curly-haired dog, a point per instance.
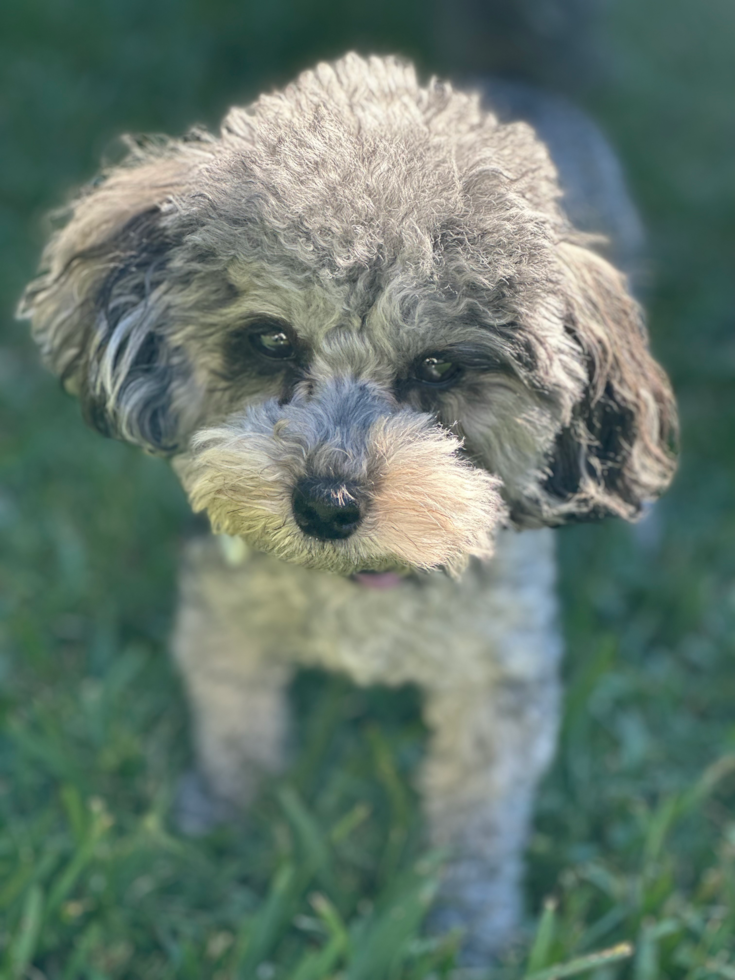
(374, 346)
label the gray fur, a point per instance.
(595, 196)
(377, 223)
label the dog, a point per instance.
(385, 364)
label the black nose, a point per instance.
(326, 509)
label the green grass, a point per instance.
(635, 832)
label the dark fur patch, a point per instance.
(138, 256)
(613, 431)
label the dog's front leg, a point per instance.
(237, 698)
(488, 749)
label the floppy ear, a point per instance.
(98, 305)
(617, 451)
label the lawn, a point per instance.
(633, 850)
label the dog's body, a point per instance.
(484, 651)
(376, 348)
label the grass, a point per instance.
(634, 847)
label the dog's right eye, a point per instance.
(272, 340)
(262, 347)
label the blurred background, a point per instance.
(635, 833)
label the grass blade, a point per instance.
(540, 952)
(383, 943)
(315, 849)
(263, 929)
(24, 945)
(583, 964)
(316, 966)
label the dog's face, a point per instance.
(361, 324)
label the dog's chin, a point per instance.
(364, 556)
(352, 559)
(376, 573)
(348, 559)
(378, 580)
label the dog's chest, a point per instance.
(499, 620)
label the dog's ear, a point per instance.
(618, 450)
(98, 306)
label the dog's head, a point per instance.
(360, 322)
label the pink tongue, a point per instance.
(378, 580)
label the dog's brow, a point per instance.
(341, 329)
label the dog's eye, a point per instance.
(272, 340)
(435, 370)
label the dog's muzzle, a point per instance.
(345, 480)
(326, 509)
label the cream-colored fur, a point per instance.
(429, 507)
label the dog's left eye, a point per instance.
(435, 370)
(273, 341)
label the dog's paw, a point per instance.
(474, 950)
(488, 929)
(197, 811)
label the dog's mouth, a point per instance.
(378, 580)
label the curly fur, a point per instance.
(406, 206)
(380, 222)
